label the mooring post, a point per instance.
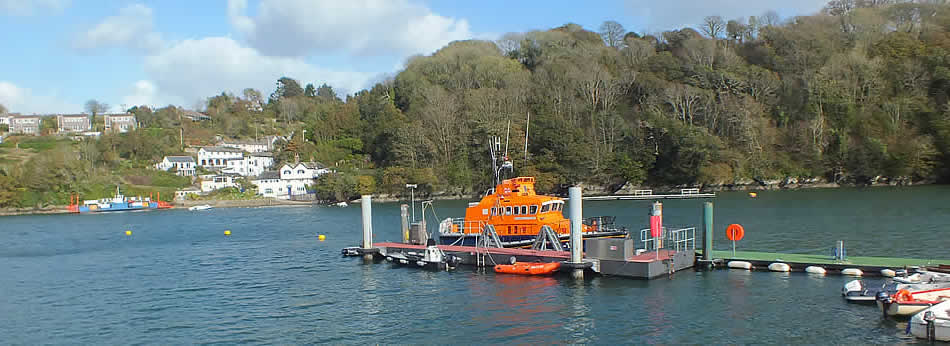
(404, 215)
(577, 215)
(708, 225)
(367, 208)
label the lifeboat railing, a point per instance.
(677, 239)
(452, 226)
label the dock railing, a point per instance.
(692, 191)
(677, 239)
(643, 192)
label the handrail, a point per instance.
(691, 191)
(642, 192)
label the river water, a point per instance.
(78, 279)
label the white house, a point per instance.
(251, 165)
(251, 146)
(302, 170)
(121, 123)
(73, 123)
(5, 119)
(218, 156)
(269, 185)
(211, 182)
(185, 165)
(25, 124)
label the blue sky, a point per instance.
(60, 53)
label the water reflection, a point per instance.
(527, 305)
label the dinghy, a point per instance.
(524, 268)
(933, 323)
(858, 291)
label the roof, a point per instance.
(313, 165)
(268, 175)
(180, 159)
(263, 154)
(75, 115)
(222, 149)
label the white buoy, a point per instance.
(779, 267)
(815, 270)
(888, 273)
(852, 272)
(739, 265)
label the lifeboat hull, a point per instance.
(528, 268)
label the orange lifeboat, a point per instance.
(528, 268)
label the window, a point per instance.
(300, 171)
(524, 210)
(545, 208)
(533, 210)
(494, 211)
(507, 210)
(268, 190)
(560, 206)
(516, 210)
(286, 172)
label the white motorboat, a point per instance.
(906, 303)
(933, 323)
(858, 291)
(341, 204)
(200, 207)
(431, 258)
(923, 276)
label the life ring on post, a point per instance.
(735, 232)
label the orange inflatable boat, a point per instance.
(528, 268)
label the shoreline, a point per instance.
(590, 190)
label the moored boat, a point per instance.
(905, 303)
(858, 291)
(932, 323)
(200, 207)
(432, 257)
(118, 202)
(514, 215)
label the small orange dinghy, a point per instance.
(528, 268)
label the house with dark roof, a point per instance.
(184, 165)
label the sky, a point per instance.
(58, 54)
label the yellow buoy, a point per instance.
(322, 237)
(227, 232)
(128, 232)
(753, 194)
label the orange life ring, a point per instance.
(735, 232)
(903, 295)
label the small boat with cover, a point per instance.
(528, 268)
(859, 291)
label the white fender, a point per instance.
(739, 265)
(852, 272)
(815, 270)
(779, 267)
(888, 273)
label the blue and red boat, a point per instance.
(118, 202)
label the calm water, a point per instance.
(77, 279)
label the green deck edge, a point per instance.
(825, 259)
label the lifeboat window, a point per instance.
(560, 206)
(494, 211)
(533, 210)
(516, 210)
(507, 210)
(545, 208)
(524, 210)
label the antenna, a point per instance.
(526, 126)
(507, 135)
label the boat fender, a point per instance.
(852, 272)
(888, 273)
(815, 270)
(779, 267)
(739, 265)
(512, 260)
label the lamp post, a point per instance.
(412, 199)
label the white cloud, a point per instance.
(195, 69)
(676, 14)
(355, 27)
(29, 7)
(22, 100)
(131, 28)
(141, 93)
